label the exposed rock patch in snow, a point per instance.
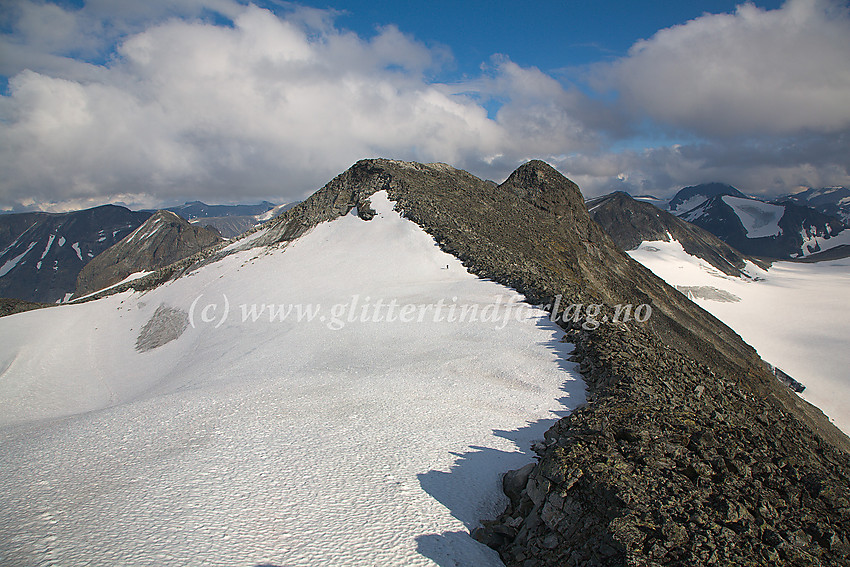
(166, 325)
(708, 292)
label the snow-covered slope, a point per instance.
(759, 218)
(342, 440)
(796, 315)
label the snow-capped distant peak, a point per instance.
(694, 196)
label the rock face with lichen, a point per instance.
(688, 452)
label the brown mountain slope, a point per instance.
(163, 239)
(629, 222)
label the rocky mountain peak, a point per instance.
(688, 450)
(163, 239)
(546, 188)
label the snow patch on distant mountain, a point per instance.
(760, 219)
(49, 244)
(690, 204)
(10, 264)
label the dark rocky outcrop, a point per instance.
(630, 222)
(163, 239)
(672, 463)
(12, 306)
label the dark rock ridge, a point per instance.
(630, 222)
(41, 254)
(835, 253)
(163, 239)
(689, 451)
(672, 463)
(12, 306)
(832, 201)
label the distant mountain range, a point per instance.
(781, 229)
(193, 210)
(42, 253)
(229, 220)
(833, 201)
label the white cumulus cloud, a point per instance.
(751, 72)
(269, 106)
(149, 102)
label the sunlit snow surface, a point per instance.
(283, 443)
(797, 316)
(759, 218)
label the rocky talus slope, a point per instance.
(688, 452)
(672, 463)
(12, 306)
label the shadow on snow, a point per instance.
(486, 466)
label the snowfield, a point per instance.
(759, 219)
(797, 316)
(161, 428)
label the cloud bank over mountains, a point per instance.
(148, 102)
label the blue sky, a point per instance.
(169, 100)
(548, 35)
